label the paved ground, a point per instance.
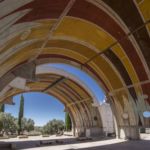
(70, 143)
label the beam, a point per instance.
(5, 80)
(115, 43)
(128, 87)
(61, 79)
(78, 102)
(26, 71)
(8, 101)
(53, 28)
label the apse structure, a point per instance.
(108, 39)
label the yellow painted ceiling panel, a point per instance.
(84, 31)
(10, 43)
(124, 59)
(30, 51)
(145, 9)
(108, 72)
(66, 52)
(102, 75)
(20, 56)
(132, 74)
(148, 27)
(118, 51)
(127, 64)
(138, 1)
(77, 88)
(39, 32)
(87, 52)
(130, 70)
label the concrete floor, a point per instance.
(70, 143)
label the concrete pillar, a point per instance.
(80, 132)
(129, 132)
(116, 127)
(88, 132)
(73, 130)
(94, 132)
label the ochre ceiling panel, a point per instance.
(127, 64)
(72, 45)
(102, 65)
(66, 52)
(144, 7)
(83, 9)
(38, 32)
(84, 31)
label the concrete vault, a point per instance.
(108, 39)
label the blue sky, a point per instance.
(42, 107)
(39, 106)
(146, 114)
(84, 77)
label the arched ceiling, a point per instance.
(107, 38)
(74, 94)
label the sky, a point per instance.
(42, 107)
(146, 114)
(38, 106)
(84, 77)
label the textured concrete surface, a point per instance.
(70, 143)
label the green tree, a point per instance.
(2, 107)
(28, 124)
(53, 127)
(21, 114)
(38, 129)
(23, 124)
(68, 123)
(1, 121)
(8, 123)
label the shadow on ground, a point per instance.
(36, 143)
(72, 144)
(127, 145)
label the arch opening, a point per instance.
(75, 95)
(107, 44)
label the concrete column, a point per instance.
(116, 127)
(94, 132)
(80, 132)
(73, 130)
(129, 132)
(88, 132)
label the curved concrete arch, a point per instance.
(72, 114)
(47, 69)
(81, 109)
(118, 30)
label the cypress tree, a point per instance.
(2, 107)
(21, 114)
(68, 123)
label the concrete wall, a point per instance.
(107, 118)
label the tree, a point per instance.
(21, 114)
(68, 123)
(2, 107)
(30, 125)
(27, 125)
(38, 129)
(23, 124)
(53, 127)
(1, 121)
(8, 123)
